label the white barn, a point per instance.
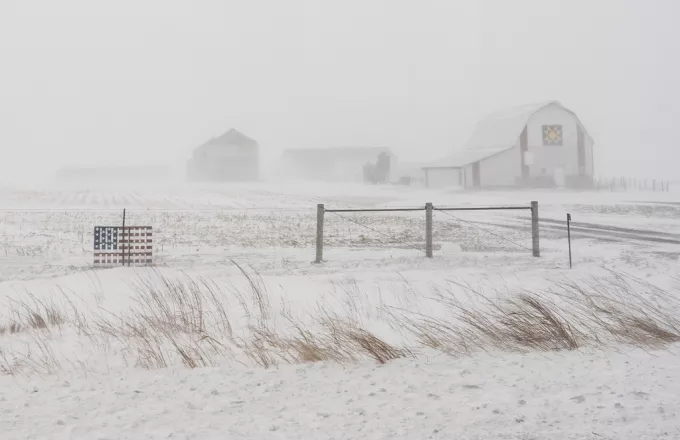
(539, 145)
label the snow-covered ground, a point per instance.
(73, 380)
(592, 396)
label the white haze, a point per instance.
(86, 82)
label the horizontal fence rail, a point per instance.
(376, 210)
(483, 208)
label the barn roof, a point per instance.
(463, 157)
(498, 132)
(502, 129)
(232, 137)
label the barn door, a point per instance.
(476, 177)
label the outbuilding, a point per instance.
(232, 156)
(335, 164)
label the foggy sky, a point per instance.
(147, 80)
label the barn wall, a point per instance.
(241, 169)
(215, 162)
(331, 166)
(467, 176)
(443, 178)
(323, 169)
(502, 169)
(548, 159)
(348, 169)
(590, 166)
(310, 168)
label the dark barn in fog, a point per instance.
(230, 157)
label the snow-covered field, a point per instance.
(252, 314)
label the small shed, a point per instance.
(232, 156)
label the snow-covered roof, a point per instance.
(495, 133)
(464, 157)
(502, 129)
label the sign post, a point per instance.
(569, 236)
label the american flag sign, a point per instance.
(123, 245)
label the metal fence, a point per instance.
(624, 184)
(425, 242)
(43, 243)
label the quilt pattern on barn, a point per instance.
(552, 135)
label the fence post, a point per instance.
(534, 230)
(428, 230)
(320, 211)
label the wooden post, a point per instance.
(320, 211)
(428, 230)
(534, 230)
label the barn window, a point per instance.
(552, 135)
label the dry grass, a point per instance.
(618, 310)
(189, 321)
(32, 313)
(570, 315)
